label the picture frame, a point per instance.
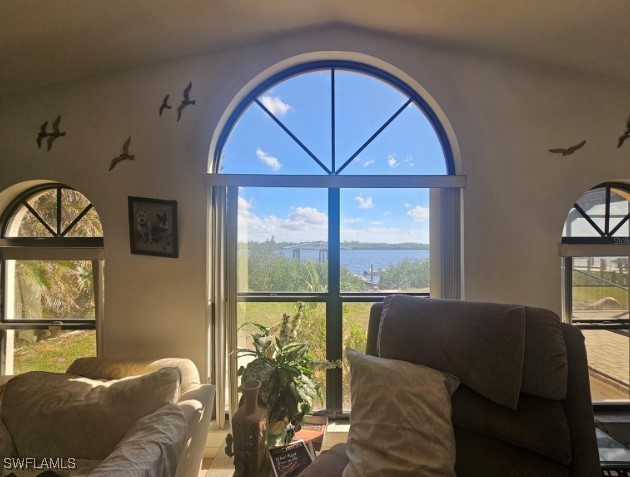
(153, 227)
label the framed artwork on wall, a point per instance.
(153, 227)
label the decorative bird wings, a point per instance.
(51, 136)
(186, 101)
(124, 155)
(625, 135)
(569, 150)
(165, 104)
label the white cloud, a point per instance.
(387, 213)
(275, 105)
(368, 163)
(418, 213)
(364, 202)
(392, 161)
(268, 159)
(410, 161)
(376, 222)
(352, 220)
(302, 224)
(407, 205)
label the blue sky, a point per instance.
(409, 145)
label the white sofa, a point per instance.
(153, 414)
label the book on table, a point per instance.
(290, 460)
(312, 430)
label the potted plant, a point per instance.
(286, 372)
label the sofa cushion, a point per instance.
(62, 415)
(401, 419)
(540, 425)
(498, 350)
(481, 456)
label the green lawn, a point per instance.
(55, 354)
(589, 295)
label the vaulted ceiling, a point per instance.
(42, 41)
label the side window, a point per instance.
(52, 277)
(595, 248)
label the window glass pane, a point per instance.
(312, 330)
(619, 210)
(408, 145)
(355, 323)
(25, 224)
(73, 203)
(600, 288)
(363, 104)
(385, 240)
(282, 240)
(45, 204)
(303, 104)
(601, 292)
(257, 145)
(53, 351)
(577, 226)
(594, 204)
(51, 289)
(608, 353)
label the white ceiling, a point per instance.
(42, 41)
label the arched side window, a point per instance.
(596, 284)
(51, 245)
(325, 184)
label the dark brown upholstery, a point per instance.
(543, 436)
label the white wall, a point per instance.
(505, 116)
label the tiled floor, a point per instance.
(218, 463)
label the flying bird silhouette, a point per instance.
(123, 156)
(625, 135)
(569, 150)
(185, 102)
(50, 135)
(164, 104)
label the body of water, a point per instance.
(359, 261)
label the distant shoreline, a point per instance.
(353, 245)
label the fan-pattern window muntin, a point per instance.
(596, 284)
(333, 299)
(59, 218)
(602, 209)
(338, 164)
(51, 240)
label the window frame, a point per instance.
(590, 246)
(56, 247)
(445, 197)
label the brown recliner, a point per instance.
(550, 433)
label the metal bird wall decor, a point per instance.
(43, 133)
(124, 155)
(569, 150)
(165, 104)
(186, 101)
(625, 135)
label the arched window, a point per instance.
(595, 249)
(325, 181)
(51, 247)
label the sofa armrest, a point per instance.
(197, 405)
(329, 463)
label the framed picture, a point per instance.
(153, 227)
